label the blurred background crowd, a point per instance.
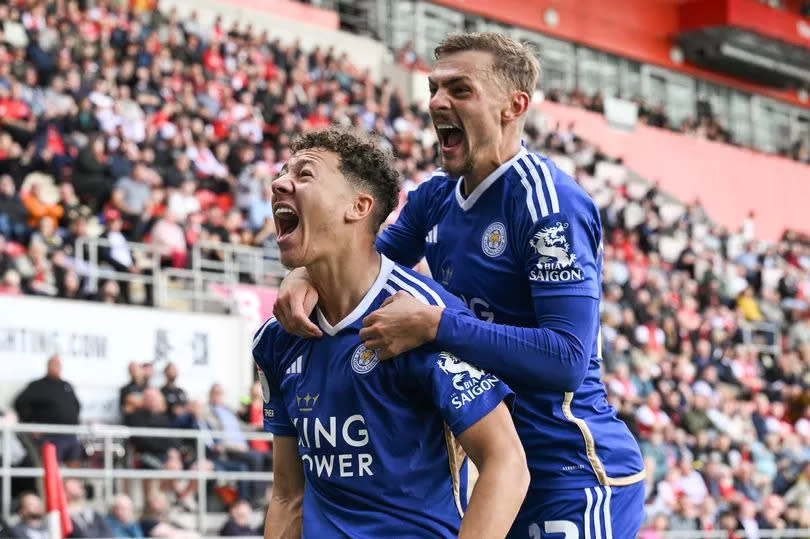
(151, 128)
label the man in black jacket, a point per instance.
(52, 400)
(153, 451)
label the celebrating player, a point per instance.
(375, 443)
(521, 243)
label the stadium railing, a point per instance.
(90, 266)
(211, 263)
(108, 473)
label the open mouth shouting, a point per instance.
(451, 137)
(286, 221)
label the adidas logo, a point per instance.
(295, 368)
(433, 235)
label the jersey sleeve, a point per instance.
(404, 241)
(463, 394)
(276, 419)
(559, 234)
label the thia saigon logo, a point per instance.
(556, 262)
(470, 382)
(460, 370)
(493, 243)
(363, 360)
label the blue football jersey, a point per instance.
(527, 237)
(377, 439)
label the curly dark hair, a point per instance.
(364, 163)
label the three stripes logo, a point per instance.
(433, 235)
(295, 367)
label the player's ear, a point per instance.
(517, 106)
(361, 207)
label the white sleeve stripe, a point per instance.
(552, 191)
(432, 293)
(390, 289)
(536, 177)
(258, 336)
(407, 288)
(529, 201)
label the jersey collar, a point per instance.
(467, 203)
(386, 267)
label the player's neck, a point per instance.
(343, 280)
(506, 151)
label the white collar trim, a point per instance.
(467, 203)
(386, 267)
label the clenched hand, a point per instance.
(401, 323)
(296, 300)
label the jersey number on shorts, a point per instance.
(566, 527)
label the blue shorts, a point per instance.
(590, 513)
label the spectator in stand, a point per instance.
(176, 398)
(13, 213)
(37, 207)
(11, 283)
(261, 209)
(6, 262)
(153, 452)
(131, 195)
(52, 400)
(91, 178)
(238, 524)
(168, 237)
(253, 414)
(32, 523)
(86, 522)
(234, 446)
(130, 396)
(121, 519)
(155, 521)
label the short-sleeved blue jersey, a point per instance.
(527, 237)
(377, 439)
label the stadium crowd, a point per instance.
(704, 125)
(145, 127)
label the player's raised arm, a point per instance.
(555, 354)
(284, 515)
(493, 445)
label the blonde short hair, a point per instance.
(516, 63)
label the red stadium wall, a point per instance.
(638, 29)
(749, 14)
(729, 181)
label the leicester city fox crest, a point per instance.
(556, 260)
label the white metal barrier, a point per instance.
(108, 474)
(211, 263)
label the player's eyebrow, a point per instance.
(450, 81)
(296, 163)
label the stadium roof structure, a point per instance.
(747, 39)
(767, 52)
